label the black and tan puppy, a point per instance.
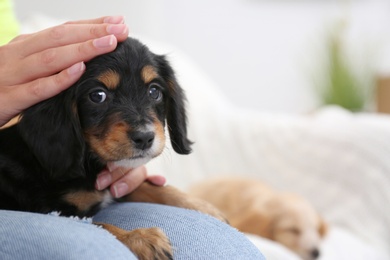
(115, 114)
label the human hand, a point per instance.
(37, 66)
(124, 181)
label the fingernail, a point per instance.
(103, 181)
(76, 68)
(120, 189)
(104, 42)
(115, 19)
(117, 28)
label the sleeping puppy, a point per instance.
(252, 207)
(113, 116)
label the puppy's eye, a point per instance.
(98, 96)
(155, 93)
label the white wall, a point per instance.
(263, 54)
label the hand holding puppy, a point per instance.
(122, 181)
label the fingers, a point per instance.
(125, 181)
(44, 53)
(128, 182)
(25, 95)
(19, 37)
(69, 34)
(46, 63)
(104, 19)
(44, 88)
(157, 180)
(73, 32)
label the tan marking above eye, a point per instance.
(110, 78)
(148, 73)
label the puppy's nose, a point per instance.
(315, 253)
(142, 140)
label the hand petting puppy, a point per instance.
(37, 66)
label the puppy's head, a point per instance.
(297, 225)
(115, 113)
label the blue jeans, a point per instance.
(192, 234)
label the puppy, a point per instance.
(113, 116)
(252, 207)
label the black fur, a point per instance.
(46, 156)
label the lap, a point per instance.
(36, 236)
(192, 234)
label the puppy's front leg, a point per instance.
(169, 195)
(145, 243)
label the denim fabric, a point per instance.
(36, 236)
(192, 234)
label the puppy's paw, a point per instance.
(149, 243)
(145, 243)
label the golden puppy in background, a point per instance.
(255, 208)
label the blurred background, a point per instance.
(287, 56)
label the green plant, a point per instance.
(341, 84)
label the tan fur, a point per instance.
(146, 243)
(84, 199)
(148, 74)
(110, 78)
(11, 122)
(253, 207)
(112, 145)
(169, 195)
(171, 84)
(160, 133)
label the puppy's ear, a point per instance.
(176, 114)
(52, 131)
